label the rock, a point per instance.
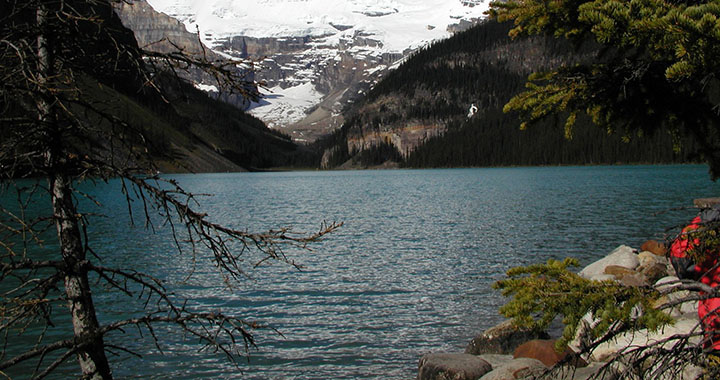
(618, 271)
(496, 360)
(655, 247)
(692, 372)
(634, 280)
(582, 340)
(652, 266)
(542, 350)
(633, 339)
(626, 276)
(705, 202)
(602, 277)
(502, 339)
(589, 372)
(653, 272)
(648, 258)
(452, 366)
(623, 256)
(517, 369)
(656, 370)
(666, 285)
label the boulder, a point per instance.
(452, 366)
(542, 350)
(667, 285)
(633, 339)
(618, 271)
(502, 339)
(634, 280)
(652, 368)
(655, 247)
(603, 277)
(648, 258)
(623, 256)
(654, 272)
(496, 360)
(522, 368)
(652, 266)
(626, 276)
(591, 372)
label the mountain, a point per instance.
(201, 132)
(443, 107)
(317, 56)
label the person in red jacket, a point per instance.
(693, 259)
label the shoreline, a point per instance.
(505, 352)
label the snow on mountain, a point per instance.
(317, 49)
(399, 24)
(285, 106)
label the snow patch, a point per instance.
(281, 107)
(206, 87)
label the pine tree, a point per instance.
(655, 64)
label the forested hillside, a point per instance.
(420, 114)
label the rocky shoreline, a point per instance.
(504, 352)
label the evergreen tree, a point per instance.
(654, 66)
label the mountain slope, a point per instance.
(196, 133)
(443, 107)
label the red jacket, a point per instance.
(705, 271)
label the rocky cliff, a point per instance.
(157, 31)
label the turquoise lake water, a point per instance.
(410, 272)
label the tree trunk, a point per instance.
(90, 346)
(91, 352)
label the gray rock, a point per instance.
(602, 277)
(667, 286)
(452, 366)
(522, 368)
(652, 266)
(648, 258)
(688, 371)
(623, 256)
(502, 339)
(587, 372)
(682, 370)
(654, 272)
(628, 341)
(667, 283)
(496, 360)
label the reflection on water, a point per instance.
(410, 271)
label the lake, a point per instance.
(409, 273)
